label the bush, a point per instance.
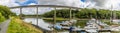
(2, 18)
(5, 11)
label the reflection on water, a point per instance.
(41, 22)
(45, 23)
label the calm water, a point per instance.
(45, 23)
(41, 22)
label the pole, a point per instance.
(37, 14)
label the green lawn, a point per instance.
(18, 26)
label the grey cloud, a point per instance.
(74, 3)
(100, 3)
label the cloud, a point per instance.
(75, 3)
(98, 2)
(8, 3)
(104, 4)
(113, 3)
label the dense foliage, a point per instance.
(2, 18)
(60, 13)
(84, 13)
(5, 11)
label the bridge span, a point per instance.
(52, 6)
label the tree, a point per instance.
(2, 18)
(6, 11)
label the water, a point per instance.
(41, 23)
(45, 23)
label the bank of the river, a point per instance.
(80, 22)
(18, 26)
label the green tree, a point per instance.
(6, 11)
(2, 18)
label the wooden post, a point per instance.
(37, 14)
(21, 12)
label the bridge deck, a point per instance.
(55, 6)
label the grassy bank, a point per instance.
(57, 19)
(18, 26)
(81, 23)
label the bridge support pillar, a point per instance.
(37, 15)
(111, 18)
(70, 14)
(21, 12)
(54, 15)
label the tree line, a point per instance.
(5, 13)
(84, 13)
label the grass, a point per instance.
(81, 23)
(18, 26)
(116, 32)
(108, 22)
(57, 19)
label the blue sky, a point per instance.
(27, 2)
(83, 0)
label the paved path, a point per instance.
(4, 26)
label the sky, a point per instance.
(99, 4)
